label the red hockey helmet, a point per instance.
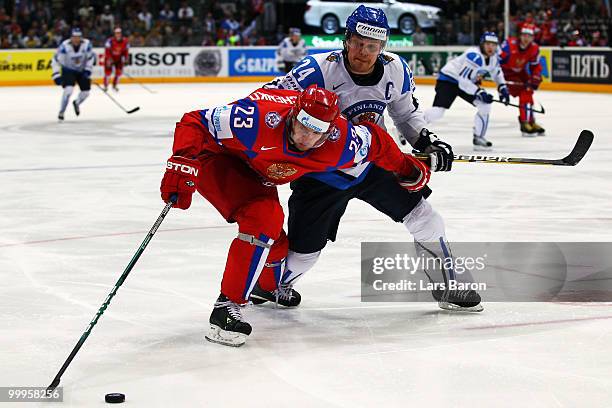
(316, 108)
(528, 29)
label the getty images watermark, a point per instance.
(404, 264)
(498, 271)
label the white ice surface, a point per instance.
(78, 198)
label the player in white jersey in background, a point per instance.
(72, 63)
(461, 77)
(367, 81)
(290, 50)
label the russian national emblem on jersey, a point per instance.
(334, 135)
(272, 119)
(279, 171)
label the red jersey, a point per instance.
(516, 62)
(255, 130)
(117, 51)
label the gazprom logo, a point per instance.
(306, 121)
(312, 122)
(254, 65)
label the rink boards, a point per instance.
(567, 69)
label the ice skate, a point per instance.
(480, 143)
(539, 130)
(285, 295)
(458, 300)
(226, 324)
(528, 130)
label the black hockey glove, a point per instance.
(57, 78)
(483, 96)
(504, 95)
(440, 153)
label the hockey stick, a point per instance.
(131, 78)
(580, 149)
(542, 111)
(112, 293)
(117, 103)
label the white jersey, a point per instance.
(286, 51)
(67, 57)
(394, 91)
(471, 66)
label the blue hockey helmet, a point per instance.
(368, 22)
(489, 36)
(76, 32)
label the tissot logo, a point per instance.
(155, 58)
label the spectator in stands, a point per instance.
(4, 18)
(146, 18)
(154, 38)
(597, 40)
(207, 40)
(230, 23)
(85, 11)
(464, 36)
(419, 37)
(31, 40)
(107, 19)
(137, 39)
(446, 35)
(185, 13)
(576, 39)
(209, 24)
(166, 14)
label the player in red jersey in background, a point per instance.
(520, 61)
(235, 155)
(116, 52)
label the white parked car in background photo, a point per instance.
(402, 15)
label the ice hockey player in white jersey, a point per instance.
(461, 77)
(72, 63)
(290, 50)
(368, 81)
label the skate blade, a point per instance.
(219, 336)
(541, 134)
(524, 134)
(257, 300)
(455, 308)
(479, 148)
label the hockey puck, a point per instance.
(114, 398)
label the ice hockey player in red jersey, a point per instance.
(116, 52)
(235, 155)
(520, 61)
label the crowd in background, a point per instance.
(44, 24)
(558, 22)
(40, 24)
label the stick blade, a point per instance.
(136, 109)
(580, 149)
(53, 385)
